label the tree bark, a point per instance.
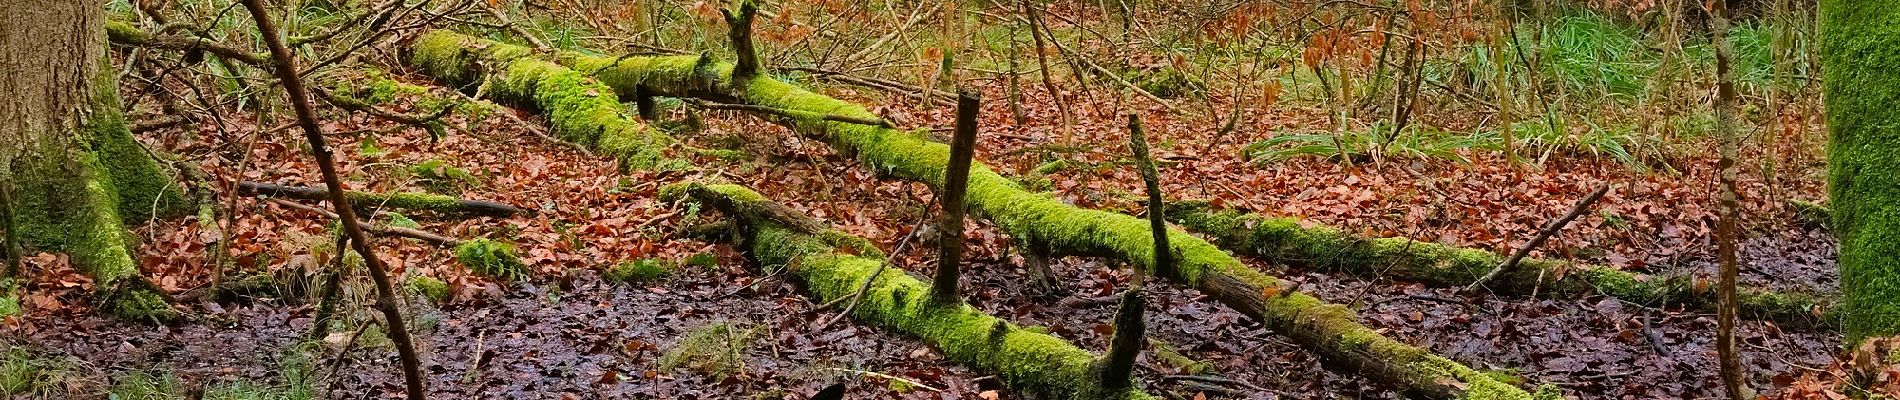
(1862, 87)
(73, 172)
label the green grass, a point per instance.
(1360, 145)
(27, 375)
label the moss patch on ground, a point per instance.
(492, 259)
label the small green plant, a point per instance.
(442, 178)
(1166, 352)
(640, 271)
(1359, 145)
(429, 287)
(703, 260)
(402, 221)
(716, 349)
(492, 259)
(26, 375)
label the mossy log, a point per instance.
(1026, 360)
(407, 201)
(1286, 241)
(581, 109)
(1040, 221)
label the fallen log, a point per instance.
(1041, 221)
(580, 109)
(1289, 242)
(406, 201)
(1028, 361)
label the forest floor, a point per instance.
(565, 333)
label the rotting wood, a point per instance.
(407, 201)
(1025, 360)
(1328, 329)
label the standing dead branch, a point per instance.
(286, 71)
(1157, 215)
(943, 285)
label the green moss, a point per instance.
(582, 110)
(703, 260)
(1858, 39)
(429, 287)
(637, 272)
(403, 200)
(716, 349)
(1180, 362)
(441, 177)
(491, 258)
(144, 189)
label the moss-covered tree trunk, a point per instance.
(67, 161)
(1860, 44)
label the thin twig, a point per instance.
(1510, 264)
(897, 251)
(887, 376)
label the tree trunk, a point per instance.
(1858, 39)
(71, 167)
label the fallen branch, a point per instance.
(793, 114)
(1510, 264)
(407, 201)
(411, 233)
(1294, 243)
(1028, 361)
(126, 34)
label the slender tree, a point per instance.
(285, 66)
(1728, 228)
(1862, 86)
(72, 175)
